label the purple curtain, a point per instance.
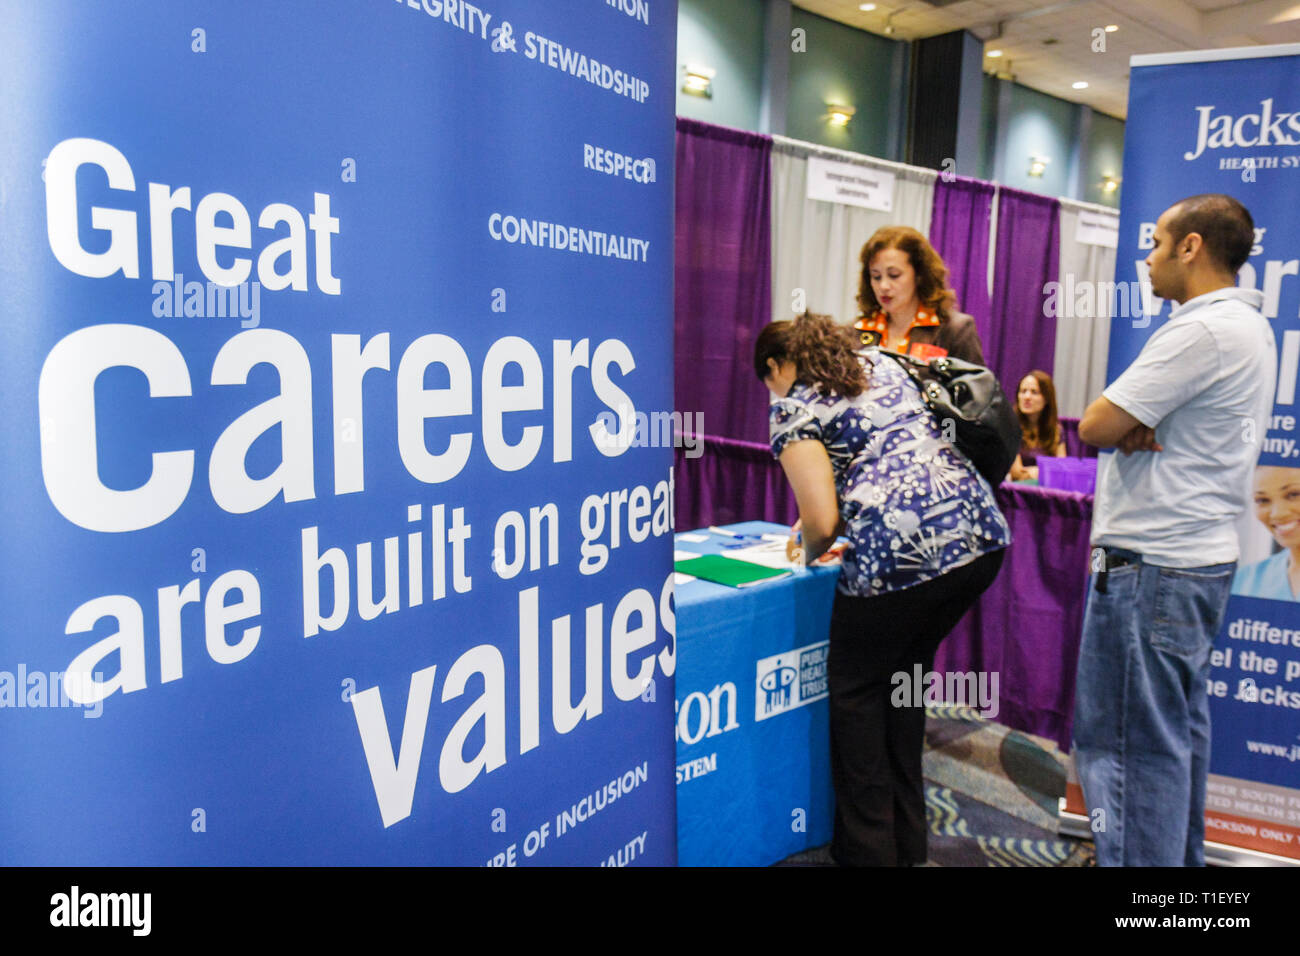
(1018, 336)
(1026, 627)
(723, 275)
(1074, 446)
(959, 232)
(731, 481)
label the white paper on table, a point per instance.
(770, 554)
(680, 555)
(679, 578)
(693, 538)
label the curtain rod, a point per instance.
(853, 157)
(1082, 206)
(862, 158)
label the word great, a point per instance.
(64, 221)
(70, 464)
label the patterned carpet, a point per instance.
(991, 795)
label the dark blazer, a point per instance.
(958, 335)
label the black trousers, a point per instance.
(876, 747)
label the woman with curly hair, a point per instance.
(866, 457)
(905, 300)
(1039, 427)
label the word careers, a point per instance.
(69, 451)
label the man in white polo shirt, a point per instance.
(1186, 419)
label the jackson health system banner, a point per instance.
(330, 533)
(1229, 122)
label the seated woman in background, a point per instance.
(1036, 406)
(906, 303)
(864, 453)
(1277, 506)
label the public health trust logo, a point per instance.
(790, 679)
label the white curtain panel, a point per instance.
(1087, 273)
(816, 244)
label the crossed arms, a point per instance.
(1106, 425)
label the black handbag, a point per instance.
(984, 426)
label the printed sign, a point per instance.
(324, 538)
(851, 184)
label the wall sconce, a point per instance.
(839, 115)
(699, 81)
(1038, 165)
(1109, 183)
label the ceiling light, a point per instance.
(993, 53)
(866, 7)
(1038, 165)
(1109, 183)
(1080, 85)
(1112, 27)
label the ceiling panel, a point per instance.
(1020, 27)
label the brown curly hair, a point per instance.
(823, 351)
(931, 274)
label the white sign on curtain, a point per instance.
(1097, 229)
(850, 184)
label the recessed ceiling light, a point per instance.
(1112, 27)
(994, 53)
(1080, 85)
(866, 7)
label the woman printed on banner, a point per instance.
(1277, 506)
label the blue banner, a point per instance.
(333, 529)
(1203, 123)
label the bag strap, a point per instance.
(909, 365)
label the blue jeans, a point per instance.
(1141, 713)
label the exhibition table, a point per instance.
(1026, 627)
(753, 751)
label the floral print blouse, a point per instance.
(913, 506)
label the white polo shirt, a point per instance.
(1205, 382)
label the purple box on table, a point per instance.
(1068, 474)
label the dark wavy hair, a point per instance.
(1047, 432)
(823, 351)
(931, 274)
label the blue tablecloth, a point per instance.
(753, 743)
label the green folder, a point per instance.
(732, 572)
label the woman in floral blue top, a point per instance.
(867, 459)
